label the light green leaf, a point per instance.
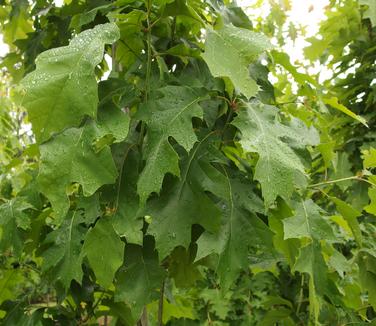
(342, 169)
(278, 166)
(169, 116)
(179, 308)
(350, 214)
(339, 263)
(370, 12)
(69, 157)
(139, 281)
(369, 158)
(113, 122)
(220, 304)
(10, 279)
(307, 222)
(333, 102)
(230, 50)
(63, 88)
(104, 250)
(371, 207)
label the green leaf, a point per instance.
(369, 158)
(333, 102)
(241, 230)
(104, 250)
(62, 260)
(10, 279)
(311, 261)
(186, 196)
(218, 303)
(278, 166)
(63, 88)
(366, 260)
(342, 169)
(289, 247)
(13, 221)
(169, 116)
(113, 122)
(139, 281)
(127, 219)
(19, 23)
(307, 222)
(69, 157)
(350, 214)
(370, 12)
(182, 267)
(371, 207)
(237, 47)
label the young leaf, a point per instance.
(230, 50)
(63, 88)
(104, 250)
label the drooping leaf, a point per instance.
(169, 116)
(13, 222)
(278, 166)
(63, 88)
(237, 47)
(62, 260)
(70, 157)
(311, 261)
(127, 218)
(104, 250)
(333, 102)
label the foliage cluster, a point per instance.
(180, 186)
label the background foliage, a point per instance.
(180, 186)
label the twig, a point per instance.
(341, 180)
(160, 305)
